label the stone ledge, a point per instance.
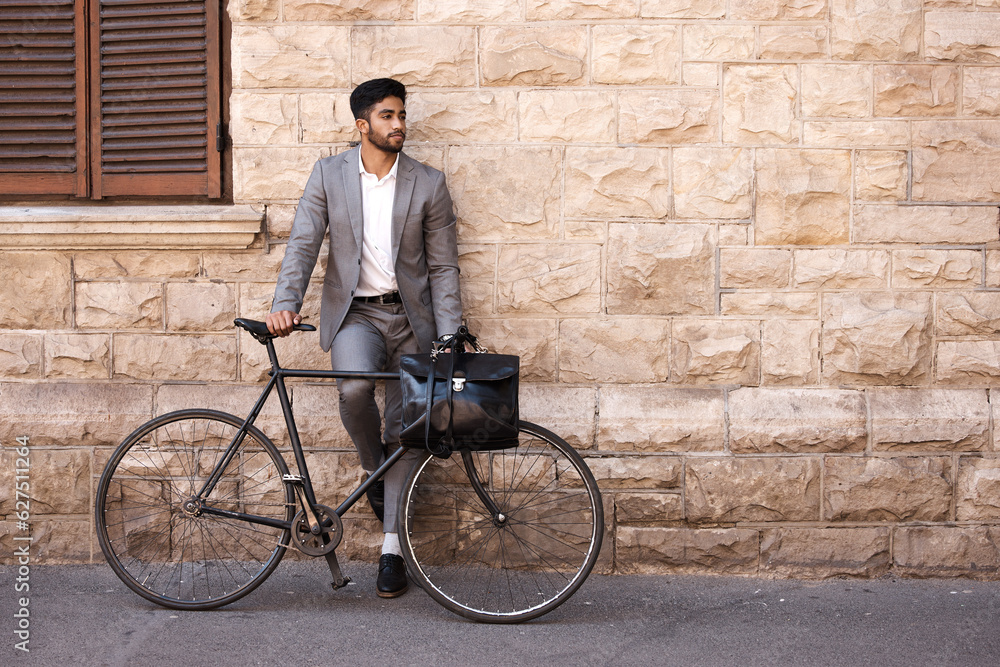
(49, 227)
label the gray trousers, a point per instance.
(372, 338)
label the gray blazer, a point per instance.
(424, 246)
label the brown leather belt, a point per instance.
(391, 297)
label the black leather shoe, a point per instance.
(391, 576)
(376, 499)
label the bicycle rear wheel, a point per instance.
(155, 533)
(519, 562)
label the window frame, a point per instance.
(88, 183)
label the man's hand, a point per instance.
(282, 322)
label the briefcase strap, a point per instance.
(444, 447)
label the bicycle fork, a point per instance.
(499, 518)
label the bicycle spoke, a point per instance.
(540, 552)
(524, 561)
(152, 530)
(457, 555)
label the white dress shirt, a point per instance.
(378, 275)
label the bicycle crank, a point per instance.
(322, 543)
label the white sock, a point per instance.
(391, 544)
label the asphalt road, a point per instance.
(82, 615)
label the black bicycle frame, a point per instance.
(277, 380)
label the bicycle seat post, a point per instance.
(272, 355)
(278, 377)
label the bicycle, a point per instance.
(196, 508)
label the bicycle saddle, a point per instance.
(259, 330)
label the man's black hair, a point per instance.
(370, 93)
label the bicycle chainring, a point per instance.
(331, 532)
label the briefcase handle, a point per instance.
(456, 342)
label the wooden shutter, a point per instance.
(155, 97)
(42, 98)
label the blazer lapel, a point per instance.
(401, 203)
(352, 189)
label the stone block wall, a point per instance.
(748, 251)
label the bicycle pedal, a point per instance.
(292, 479)
(339, 580)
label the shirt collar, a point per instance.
(364, 172)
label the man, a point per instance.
(391, 284)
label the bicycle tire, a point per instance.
(176, 558)
(516, 567)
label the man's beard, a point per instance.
(381, 141)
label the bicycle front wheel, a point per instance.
(514, 561)
(154, 529)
